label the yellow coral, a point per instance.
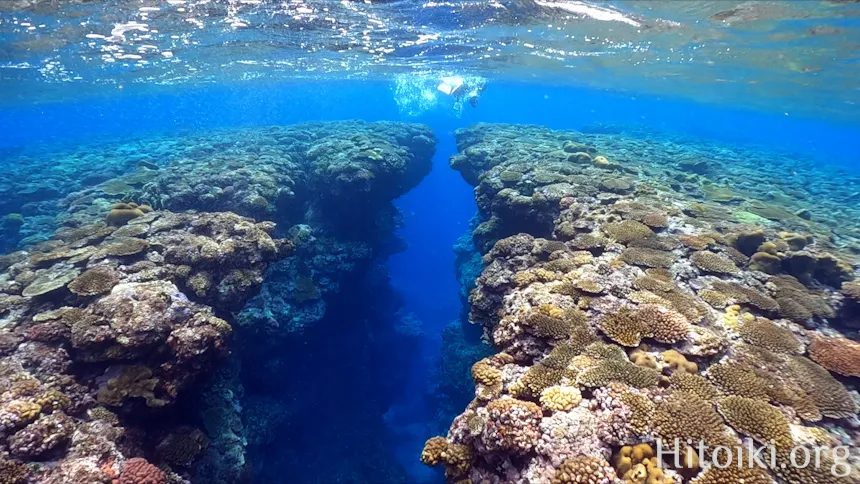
(677, 361)
(53, 399)
(433, 452)
(559, 398)
(638, 464)
(24, 411)
(641, 357)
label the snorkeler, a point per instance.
(461, 89)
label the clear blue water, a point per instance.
(438, 210)
(641, 80)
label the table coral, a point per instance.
(839, 355)
(766, 334)
(761, 421)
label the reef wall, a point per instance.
(128, 350)
(645, 289)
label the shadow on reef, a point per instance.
(122, 356)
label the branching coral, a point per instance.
(839, 355)
(695, 384)
(641, 410)
(12, 472)
(745, 295)
(537, 379)
(733, 474)
(547, 326)
(182, 447)
(760, 420)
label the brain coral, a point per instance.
(766, 334)
(512, 426)
(139, 471)
(709, 261)
(839, 355)
(760, 420)
(585, 470)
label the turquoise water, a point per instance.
(329, 333)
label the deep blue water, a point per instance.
(439, 209)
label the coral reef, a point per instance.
(144, 341)
(716, 294)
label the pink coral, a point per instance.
(512, 425)
(139, 471)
